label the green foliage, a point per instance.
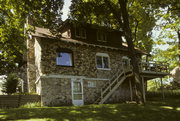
(31, 105)
(170, 56)
(13, 14)
(98, 12)
(167, 14)
(167, 94)
(10, 85)
(153, 85)
(25, 93)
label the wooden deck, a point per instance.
(154, 69)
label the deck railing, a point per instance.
(153, 66)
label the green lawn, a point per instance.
(154, 110)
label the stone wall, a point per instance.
(84, 58)
(37, 53)
(122, 94)
(31, 68)
(33, 63)
(58, 91)
(91, 94)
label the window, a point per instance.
(77, 91)
(102, 61)
(101, 36)
(64, 59)
(80, 32)
(91, 84)
(126, 61)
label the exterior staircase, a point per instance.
(113, 84)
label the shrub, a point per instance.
(10, 84)
(31, 105)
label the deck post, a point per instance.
(162, 89)
(143, 89)
(130, 87)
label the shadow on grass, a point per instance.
(153, 111)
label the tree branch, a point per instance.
(116, 14)
(136, 28)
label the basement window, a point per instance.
(64, 58)
(91, 84)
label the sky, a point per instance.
(65, 9)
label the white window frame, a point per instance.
(126, 59)
(92, 84)
(103, 55)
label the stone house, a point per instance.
(86, 64)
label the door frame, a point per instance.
(77, 102)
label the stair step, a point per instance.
(110, 87)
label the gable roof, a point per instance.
(45, 33)
(42, 32)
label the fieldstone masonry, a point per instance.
(31, 68)
(57, 91)
(83, 57)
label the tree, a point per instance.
(120, 15)
(129, 39)
(141, 19)
(135, 17)
(13, 14)
(10, 84)
(168, 22)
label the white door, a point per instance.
(77, 91)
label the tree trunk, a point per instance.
(132, 52)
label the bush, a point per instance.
(25, 93)
(167, 94)
(31, 105)
(10, 84)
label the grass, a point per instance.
(153, 110)
(31, 105)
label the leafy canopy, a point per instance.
(168, 16)
(99, 12)
(10, 84)
(13, 15)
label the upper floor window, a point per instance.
(102, 61)
(80, 32)
(101, 36)
(126, 61)
(64, 58)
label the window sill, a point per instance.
(91, 86)
(106, 69)
(64, 66)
